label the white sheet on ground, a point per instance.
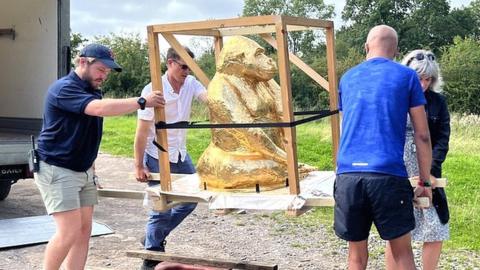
(317, 184)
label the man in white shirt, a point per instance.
(179, 88)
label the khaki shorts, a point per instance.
(63, 189)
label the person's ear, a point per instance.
(83, 61)
(366, 48)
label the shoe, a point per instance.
(149, 264)
(162, 247)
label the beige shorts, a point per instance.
(63, 189)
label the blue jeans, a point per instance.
(160, 224)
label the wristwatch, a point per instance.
(142, 102)
(425, 183)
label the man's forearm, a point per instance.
(112, 107)
(424, 155)
(139, 151)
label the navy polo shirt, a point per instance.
(69, 137)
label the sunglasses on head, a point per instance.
(182, 66)
(421, 56)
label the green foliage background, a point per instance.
(453, 34)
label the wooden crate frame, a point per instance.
(263, 26)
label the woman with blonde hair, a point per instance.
(431, 224)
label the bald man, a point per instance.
(371, 184)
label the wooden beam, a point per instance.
(441, 183)
(123, 194)
(320, 202)
(203, 32)
(299, 63)
(333, 93)
(285, 87)
(221, 263)
(218, 47)
(215, 24)
(202, 77)
(161, 134)
(262, 29)
(156, 176)
(290, 20)
(178, 196)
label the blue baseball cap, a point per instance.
(102, 54)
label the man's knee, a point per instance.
(401, 247)
(358, 254)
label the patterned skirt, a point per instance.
(428, 227)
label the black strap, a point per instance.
(159, 146)
(186, 125)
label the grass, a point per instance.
(314, 148)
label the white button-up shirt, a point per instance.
(177, 108)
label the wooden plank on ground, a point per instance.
(221, 263)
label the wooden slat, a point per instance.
(156, 176)
(203, 32)
(202, 77)
(322, 202)
(123, 194)
(441, 182)
(161, 134)
(333, 93)
(289, 20)
(178, 196)
(285, 87)
(299, 63)
(214, 24)
(263, 29)
(222, 263)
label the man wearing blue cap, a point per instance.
(68, 146)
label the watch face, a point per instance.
(142, 102)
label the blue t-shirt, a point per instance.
(69, 137)
(375, 97)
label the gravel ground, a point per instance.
(291, 243)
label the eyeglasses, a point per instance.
(421, 56)
(182, 66)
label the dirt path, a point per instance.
(254, 235)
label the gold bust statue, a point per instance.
(243, 91)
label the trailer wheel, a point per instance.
(4, 190)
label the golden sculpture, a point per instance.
(243, 91)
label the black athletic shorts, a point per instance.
(363, 198)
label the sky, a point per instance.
(102, 17)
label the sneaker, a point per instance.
(149, 264)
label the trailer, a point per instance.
(34, 52)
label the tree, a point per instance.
(460, 65)
(132, 55)
(207, 62)
(361, 15)
(419, 23)
(300, 41)
(76, 41)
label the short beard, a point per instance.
(88, 78)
